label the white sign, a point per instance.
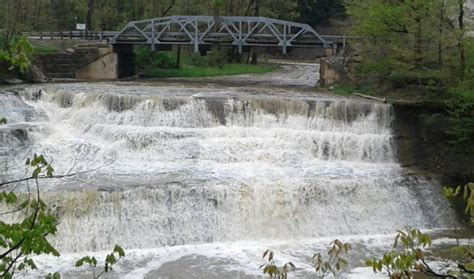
(81, 26)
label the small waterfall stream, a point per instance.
(180, 166)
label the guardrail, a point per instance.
(109, 35)
(72, 35)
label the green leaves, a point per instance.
(469, 198)
(451, 193)
(40, 166)
(27, 236)
(55, 275)
(19, 54)
(110, 260)
(3, 120)
(335, 262)
(274, 271)
(407, 255)
(91, 261)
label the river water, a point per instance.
(197, 178)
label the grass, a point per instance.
(349, 90)
(45, 49)
(191, 71)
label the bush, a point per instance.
(17, 58)
(145, 58)
(461, 111)
(430, 79)
(198, 61)
(217, 58)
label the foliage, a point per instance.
(18, 56)
(461, 108)
(110, 260)
(272, 269)
(29, 224)
(3, 120)
(45, 49)
(335, 262)
(469, 198)
(61, 15)
(408, 250)
(217, 58)
(20, 239)
(320, 12)
(197, 60)
(145, 58)
(409, 42)
(451, 193)
(406, 256)
(343, 89)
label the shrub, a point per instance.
(145, 58)
(217, 58)
(198, 61)
(17, 56)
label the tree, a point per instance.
(407, 41)
(28, 223)
(90, 14)
(320, 12)
(28, 236)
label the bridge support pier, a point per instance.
(125, 60)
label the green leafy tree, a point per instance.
(27, 237)
(28, 224)
(320, 12)
(407, 42)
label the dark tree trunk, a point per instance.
(257, 13)
(462, 55)
(440, 40)
(418, 43)
(168, 9)
(178, 57)
(90, 13)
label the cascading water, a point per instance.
(177, 165)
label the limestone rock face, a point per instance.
(334, 70)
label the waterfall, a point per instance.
(174, 168)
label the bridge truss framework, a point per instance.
(202, 31)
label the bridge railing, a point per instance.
(72, 35)
(109, 36)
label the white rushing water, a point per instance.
(209, 177)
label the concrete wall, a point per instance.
(105, 68)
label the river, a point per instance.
(197, 178)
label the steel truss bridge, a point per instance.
(203, 31)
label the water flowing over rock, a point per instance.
(184, 166)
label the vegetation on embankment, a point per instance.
(416, 55)
(180, 63)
